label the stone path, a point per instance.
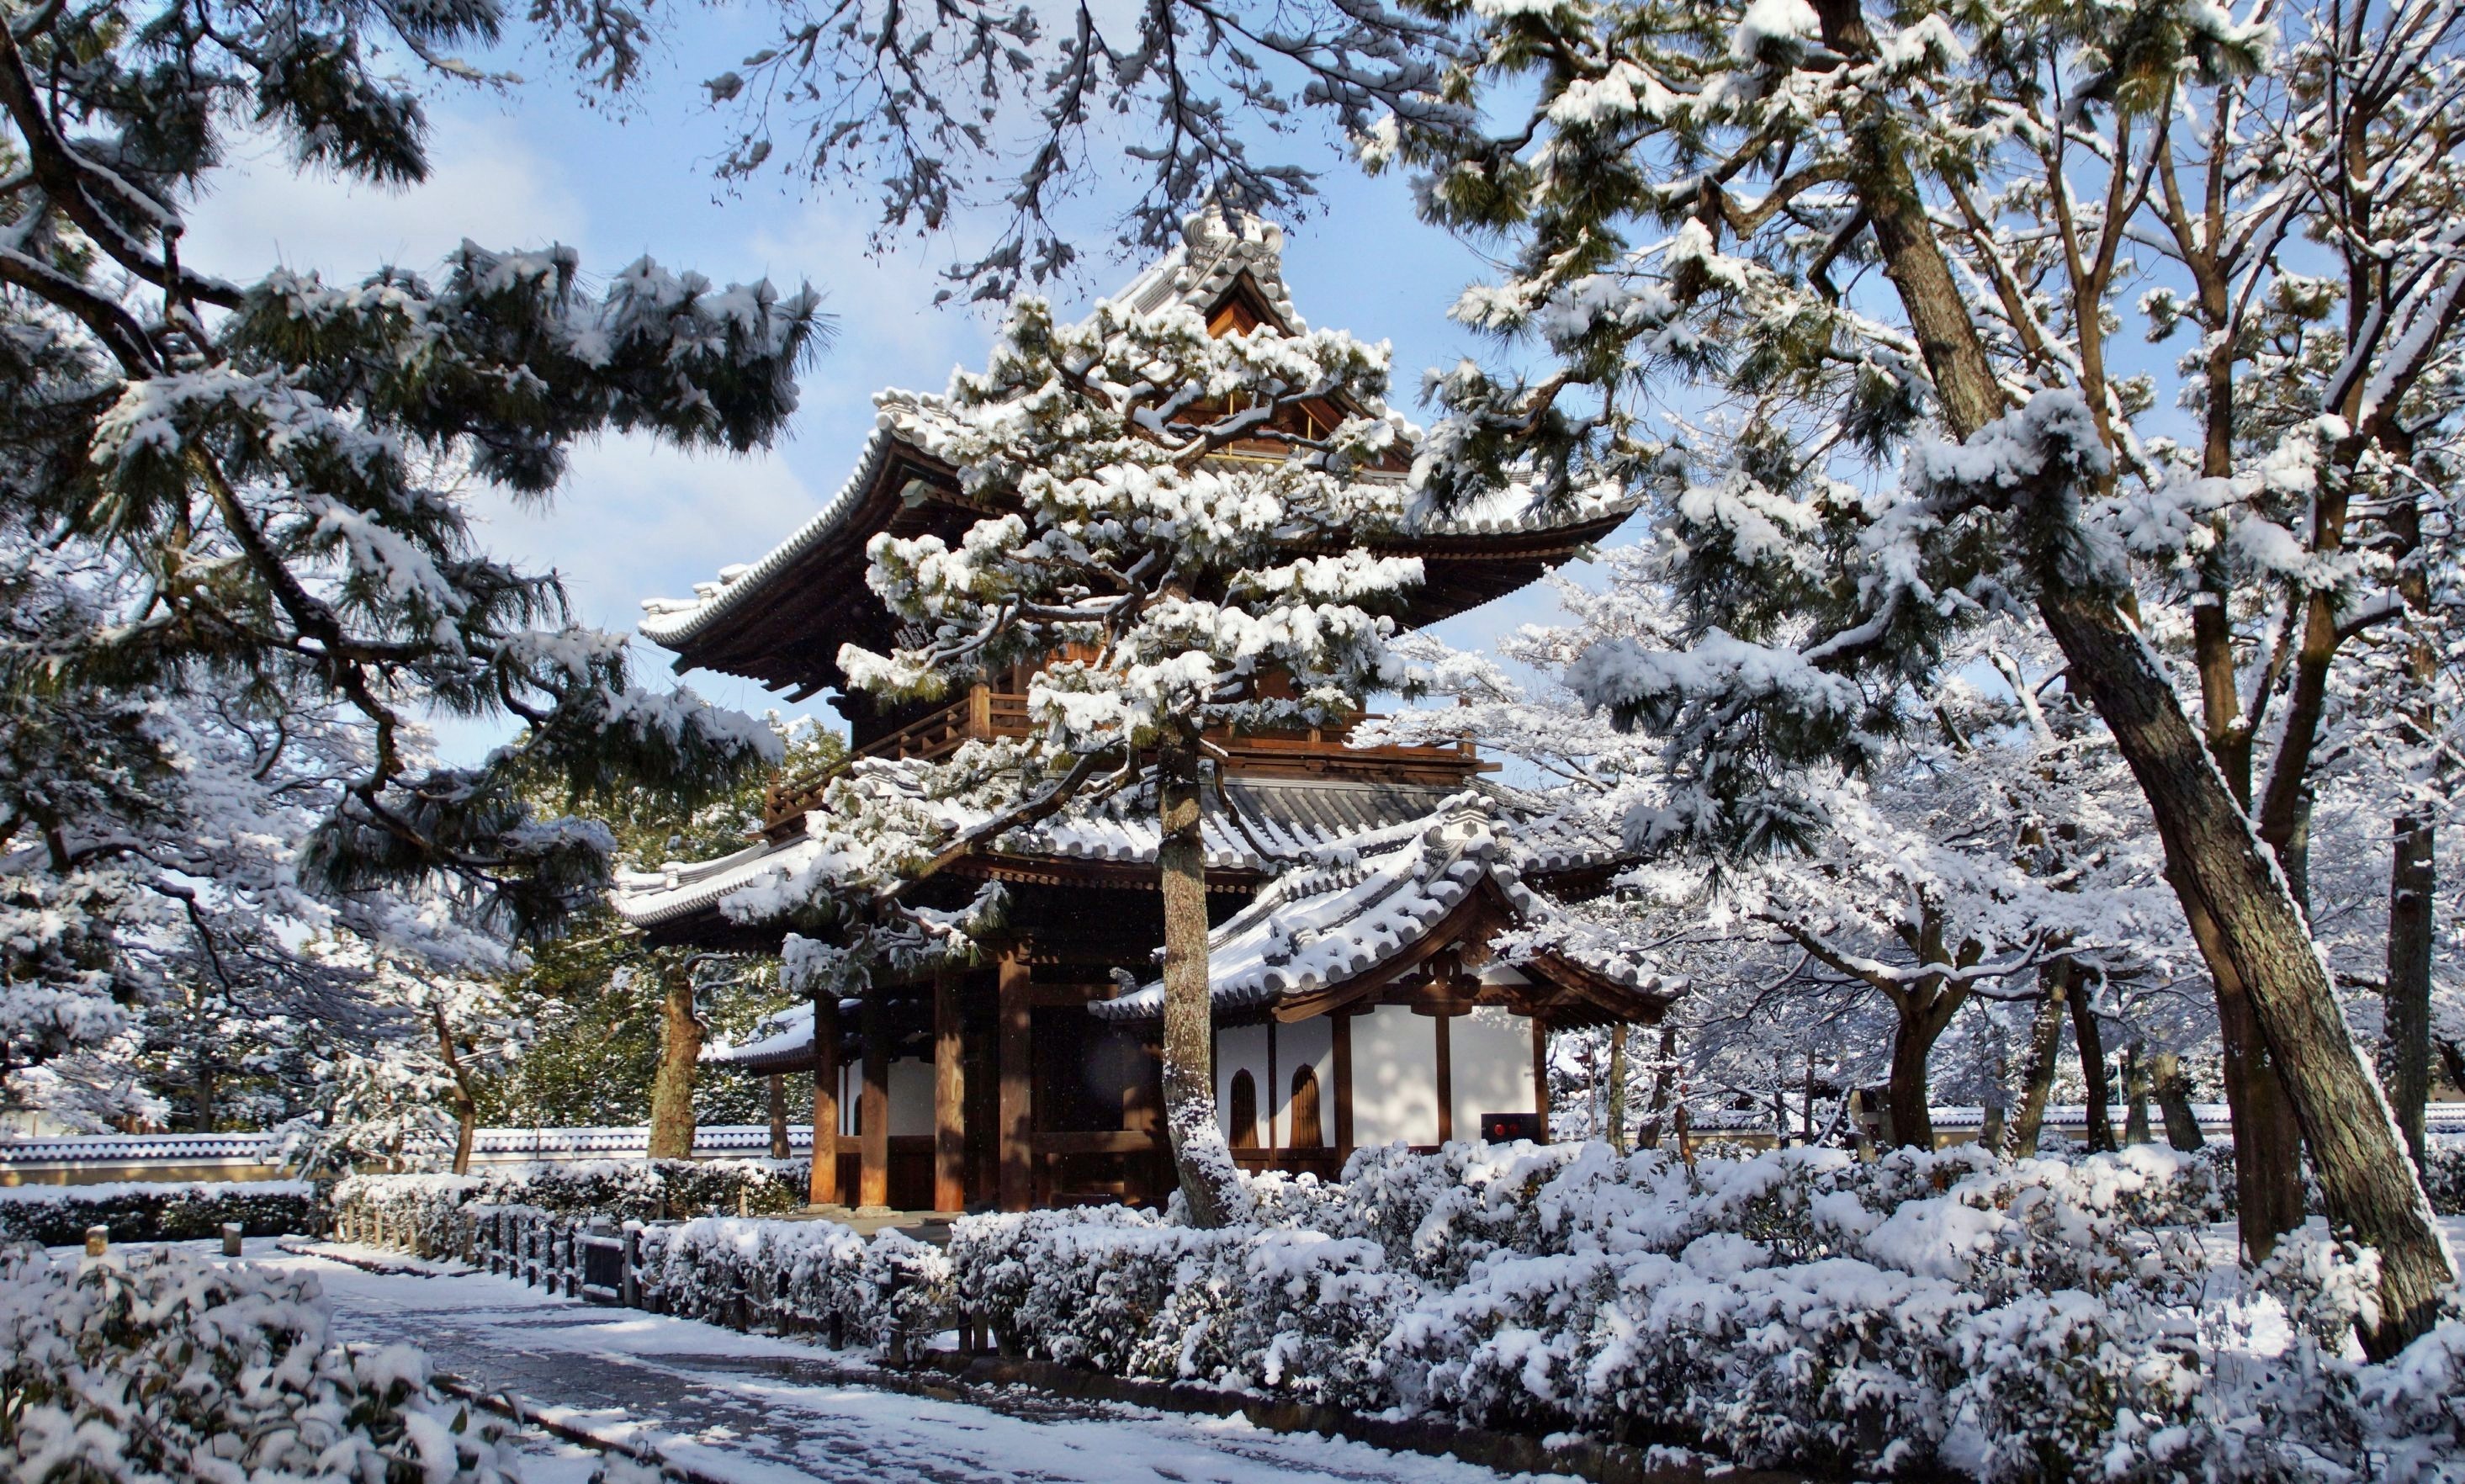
(750, 1409)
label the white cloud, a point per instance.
(636, 518)
(484, 183)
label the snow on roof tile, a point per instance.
(1289, 820)
(1321, 927)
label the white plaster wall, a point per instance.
(1242, 1047)
(911, 1097)
(1312, 1043)
(1394, 1077)
(1489, 1055)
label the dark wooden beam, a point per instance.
(1540, 1075)
(1341, 1031)
(872, 1109)
(823, 1186)
(1444, 1058)
(1017, 1110)
(949, 1097)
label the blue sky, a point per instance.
(534, 163)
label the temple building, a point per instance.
(1356, 893)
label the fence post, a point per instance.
(628, 1286)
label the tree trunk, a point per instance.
(1617, 1087)
(2135, 1095)
(2412, 877)
(2044, 1050)
(2268, 1141)
(2174, 1100)
(1210, 1183)
(2090, 1038)
(466, 1129)
(1909, 1105)
(1658, 1107)
(466, 1105)
(671, 1088)
(2261, 941)
(778, 1116)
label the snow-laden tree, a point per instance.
(1176, 548)
(237, 562)
(1996, 852)
(1696, 190)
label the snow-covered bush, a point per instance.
(417, 1213)
(425, 1213)
(1084, 1288)
(168, 1367)
(806, 1274)
(170, 1212)
(654, 1189)
(1290, 1310)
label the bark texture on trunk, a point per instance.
(1912, 1117)
(465, 1101)
(2268, 1141)
(778, 1116)
(2220, 866)
(2365, 1175)
(2173, 1090)
(1657, 1111)
(2044, 1050)
(1210, 1183)
(2412, 878)
(671, 1088)
(1617, 1087)
(2089, 1037)
(2135, 1094)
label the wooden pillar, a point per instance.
(823, 1187)
(1141, 1094)
(872, 1109)
(778, 1114)
(1541, 1075)
(1341, 1031)
(949, 1097)
(1273, 1091)
(1017, 1110)
(1446, 1078)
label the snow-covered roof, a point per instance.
(789, 1032)
(674, 621)
(1280, 822)
(1364, 907)
(1215, 251)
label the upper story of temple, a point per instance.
(781, 620)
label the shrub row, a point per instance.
(1923, 1312)
(58, 1215)
(423, 1214)
(166, 1368)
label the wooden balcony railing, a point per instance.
(986, 714)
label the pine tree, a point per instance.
(1176, 549)
(237, 565)
(1993, 163)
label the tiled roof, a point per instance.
(1279, 821)
(1324, 926)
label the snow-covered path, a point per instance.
(755, 1410)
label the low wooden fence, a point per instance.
(842, 1297)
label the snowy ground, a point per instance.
(755, 1410)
